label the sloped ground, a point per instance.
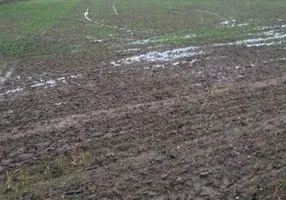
(210, 129)
(108, 100)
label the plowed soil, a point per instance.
(214, 128)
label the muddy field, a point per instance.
(178, 132)
(175, 117)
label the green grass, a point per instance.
(33, 16)
(24, 22)
(44, 27)
(204, 35)
(24, 178)
(172, 15)
(170, 21)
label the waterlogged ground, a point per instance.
(143, 99)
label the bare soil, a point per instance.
(210, 129)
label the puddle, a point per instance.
(42, 83)
(262, 28)
(243, 24)
(264, 44)
(274, 60)
(274, 37)
(175, 63)
(162, 40)
(265, 37)
(114, 64)
(76, 76)
(94, 39)
(130, 50)
(12, 91)
(161, 56)
(231, 22)
(226, 22)
(273, 33)
(266, 33)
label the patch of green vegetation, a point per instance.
(222, 34)
(16, 181)
(33, 16)
(60, 166)
(21, 46)
(23, 23)
(171, 16)
(278, 188)
(20, 180)
(38, 27)
(202, 36)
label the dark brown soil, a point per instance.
(213, 129)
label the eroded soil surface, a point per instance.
(211, 127)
